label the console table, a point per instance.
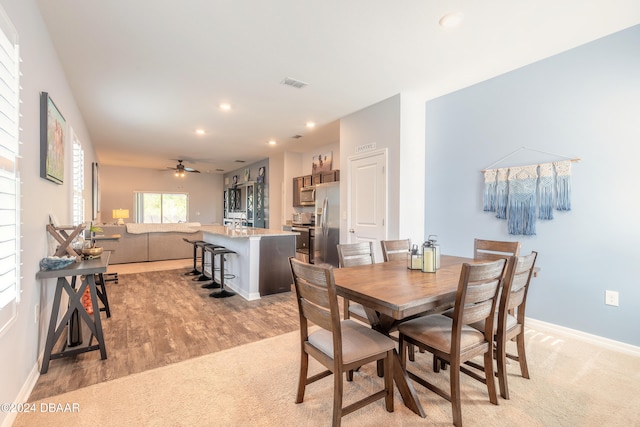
(85, 273)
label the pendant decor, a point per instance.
(523, 194)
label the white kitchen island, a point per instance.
(260, 265)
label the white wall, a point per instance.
(23, 342)
(395, 124)
(119, 183)
(582, 103)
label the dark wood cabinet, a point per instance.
(298, 183)
(309, 180)
(331, 176)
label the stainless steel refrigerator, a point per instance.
(327, 228)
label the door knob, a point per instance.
(351, 230)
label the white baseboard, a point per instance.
(24, 394)
(583, 336)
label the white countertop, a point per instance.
(222, 230)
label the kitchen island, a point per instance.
(260, 265)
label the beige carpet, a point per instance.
(572, 384)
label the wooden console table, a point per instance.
(84, 272)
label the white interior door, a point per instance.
(368, 199)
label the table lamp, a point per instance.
(120, 215)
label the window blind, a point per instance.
(9, 177)
(78, 182)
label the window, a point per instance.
(78, 181)
(9, 176)
(159, 208)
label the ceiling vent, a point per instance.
(296, 136)
(240, 161)
(294, 83)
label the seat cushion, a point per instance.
(358, 341)
(511, 322)
(357, 309)
(435, 331)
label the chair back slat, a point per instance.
(353, 254)
(476, 298)
(395, 249)
(516, 286)
(316, 295)
(491, 250)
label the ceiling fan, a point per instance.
(180, 169)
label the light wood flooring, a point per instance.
(160, 316)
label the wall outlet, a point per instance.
(611, 298)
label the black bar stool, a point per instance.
(204, 245)
(221, 252)
(101, 291)
(195, 270)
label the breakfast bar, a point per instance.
(260, 264)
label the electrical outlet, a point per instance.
(611, 298)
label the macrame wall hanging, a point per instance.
(522, 194)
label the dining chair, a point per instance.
(341, 346)
(452, 339)
(491, 250)
(351, 255)
(506, 326)
(395, 249)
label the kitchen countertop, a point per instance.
(244, 231)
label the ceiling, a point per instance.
(146, 75)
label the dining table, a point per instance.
(392, 293)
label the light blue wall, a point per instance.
(585, 103)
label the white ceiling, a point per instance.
(147, 73)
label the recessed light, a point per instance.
(272, 142)
(311, 125)
(225, 107)
(451, 20)
(200, 131)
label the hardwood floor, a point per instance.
(161, 316)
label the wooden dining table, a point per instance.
(392, 293)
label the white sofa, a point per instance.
(149, 242)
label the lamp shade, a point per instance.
(120, 215)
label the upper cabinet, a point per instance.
(309, 180)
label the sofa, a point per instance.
(148, 242)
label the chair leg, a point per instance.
(412, 353)
(302, 381)
(501, 361)
(522, 356)
(337, 399)
(490, 377)
(388, 381)
(455, 395)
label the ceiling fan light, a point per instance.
(451, 20)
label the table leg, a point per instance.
(96, 315)
(51, 334)
(408, 393)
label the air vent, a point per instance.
(294, 83)
(296, 136)
(219, 170)
(240, 161)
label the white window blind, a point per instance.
(78, 181)
(9, 178)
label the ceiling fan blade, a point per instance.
(192, 170)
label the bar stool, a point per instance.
(203, 245)
(195, 243)
(101, 291)
(221, 252)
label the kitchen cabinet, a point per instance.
(331, 176)
(309, 180)
(298, 183)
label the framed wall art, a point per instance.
(322, 162)
(53, 133)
